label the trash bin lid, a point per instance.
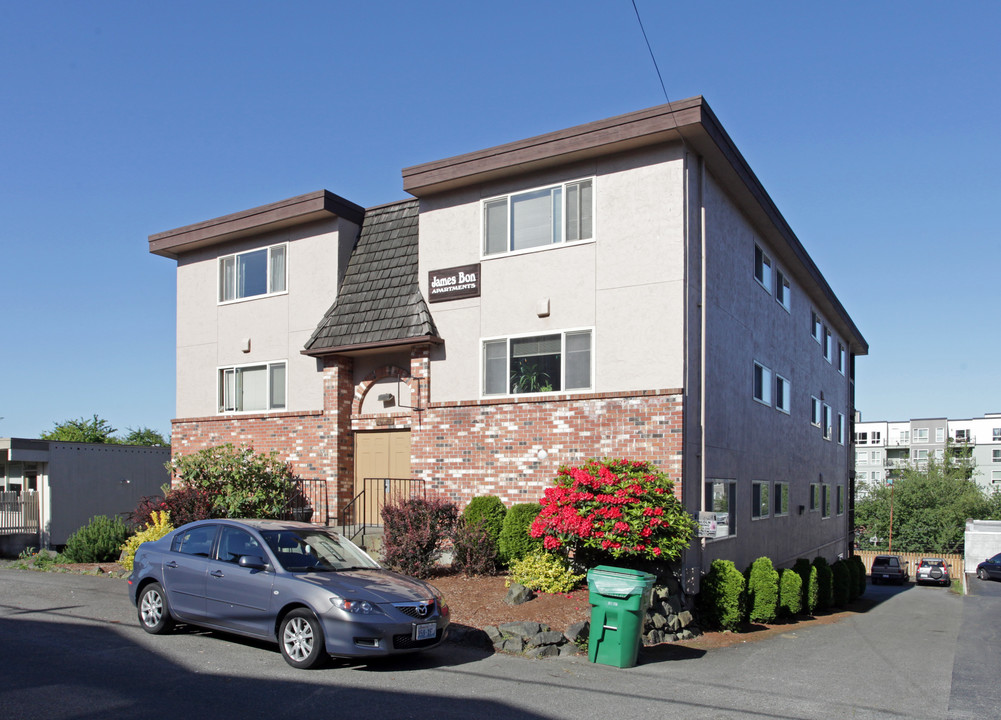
(618, 582)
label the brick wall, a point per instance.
(492, 447)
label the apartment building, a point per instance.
(623, 288)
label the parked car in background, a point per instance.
(990, 569)
(932, 570)
(303, 586)
(888, 568)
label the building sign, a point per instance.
(454, 283)
(707, 524)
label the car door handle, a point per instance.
(172, 564)
(217, 573)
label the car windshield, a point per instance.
(932, 562)
(885, 561)
(315, 550)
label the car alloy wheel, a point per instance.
(301, 639)
(154, 615)
(982, 574)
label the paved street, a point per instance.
(71, 648)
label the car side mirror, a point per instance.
(254, 562)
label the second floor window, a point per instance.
(537, 218)
(248, 274)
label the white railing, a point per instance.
(18, 512)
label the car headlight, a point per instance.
(358, 607)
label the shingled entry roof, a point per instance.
(379, 303)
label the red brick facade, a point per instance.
(509, 448)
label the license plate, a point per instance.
(887, 577)
(425, 631)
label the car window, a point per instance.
(234, 543)
(196, 541)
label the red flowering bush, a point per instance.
(615, 507)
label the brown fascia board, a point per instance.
(691, 121)
(285, 213)
(378, 345)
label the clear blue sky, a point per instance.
(873, 126)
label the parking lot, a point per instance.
(73, 649)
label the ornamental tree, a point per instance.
(617, 508)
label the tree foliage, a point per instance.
(99, 430)
(242, 484)
(931, 505)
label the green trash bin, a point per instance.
(619, 600)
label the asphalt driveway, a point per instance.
(72, 650)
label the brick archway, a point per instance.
(386, 371)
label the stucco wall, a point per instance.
(626, 285)
(746, 440)
(210, 335)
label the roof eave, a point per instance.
(377, 345)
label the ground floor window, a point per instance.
(781, 506)
(759, 499)
(537, 363)
(252, 388)
(721, 498)
(825, 499)
(814, 496)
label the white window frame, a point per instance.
(764, 383)
(841, 429)
(814, 497)
(270, 281)
(783, 290)
(939, 434)
(561, 242)
(861, 457)
(861, 438)
(816, 415)
(760, 500)
(222, 372)
(730, 490)
(563, 362)
(996, 434)
(996, 455)
(782, 391)
(963, 435)
(862, 475)
(817, 327)
(920, 435)
(840, 500)
(827, 424)
(877, 437)
(904, 437)
(825, 500)
(763, 268)
(996, 476)
(921, 455)
(827, 344)
(841, 358)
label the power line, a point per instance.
(655, 66)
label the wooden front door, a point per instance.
(381, 456)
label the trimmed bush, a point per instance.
(857, 561)
(545, 572)
(100, 540)
(790, 594)
(762, 591)
(722, 598)
(853, 571)
(825, 583)
(473, 549)
(840, 579)
(414, 534)
(808, 576)
(158, 526)
(490, 510)
(515, 542)
(184, 504)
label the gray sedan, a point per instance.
(303, 586)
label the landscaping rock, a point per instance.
(524, 628)
(511, 644)
(543, 651)
(548, 637)
(518, 594)
(578, 632)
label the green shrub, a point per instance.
(790, 594)
(242, 484)
(722, 598)
(840, 579)
(857, 561)
(473, 549)
(414, 534)
(852, 567)
(159, 525)
(100, 540)
(762, 591)
(825, 583)
(515, 542)
(545, 572)
(490, 510)
(808, 576)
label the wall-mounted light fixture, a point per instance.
(387, 399)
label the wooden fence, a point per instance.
(18, 512)
(955, 562)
